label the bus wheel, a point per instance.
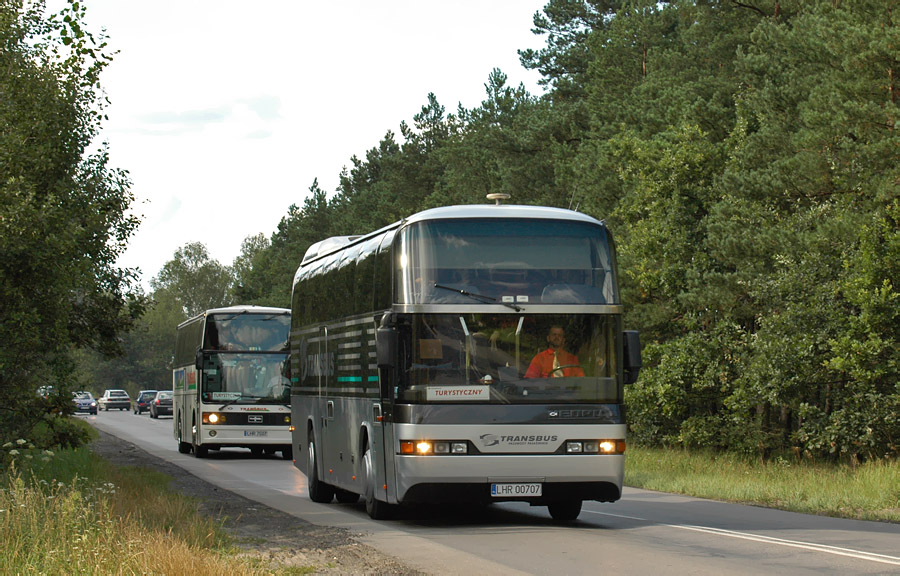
(318, 490)
(565, 511)
(346, 496)
(377, 509)
(183, 447)
(199, 451)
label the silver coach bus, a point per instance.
(463, 354)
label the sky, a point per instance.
(224, 113)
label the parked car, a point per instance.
(114, 398)
(84, 402)
(142, 402)
(161, 404)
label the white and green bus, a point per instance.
(231, 381)
(463, 354)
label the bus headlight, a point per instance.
(213, 418)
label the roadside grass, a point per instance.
(870, 491)
(73, 512)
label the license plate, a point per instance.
(508, 490)
(256, 433)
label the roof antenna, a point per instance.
(497, 197)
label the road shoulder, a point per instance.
(280, 538)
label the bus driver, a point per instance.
(554, 362)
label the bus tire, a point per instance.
(183, 447)
(318, 490)
(565, 510)
(199, 451)
(377, 509)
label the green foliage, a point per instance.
(146, 363)
(747, 161)
(63, 212)
(59, 431)
(194, 281)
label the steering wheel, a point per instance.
(565, 366)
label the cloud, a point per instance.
(169, 212)
(167, 123)
(267, 107)
(249, 115)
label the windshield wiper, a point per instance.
(480, 297)
(238, 399)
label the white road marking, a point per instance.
(850, 553)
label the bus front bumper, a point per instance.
(240, 436)
(470, 478)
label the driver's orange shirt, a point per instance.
(542, 364)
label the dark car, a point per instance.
(161, 404)
(115, 398)
(84, 402)
(142, 402)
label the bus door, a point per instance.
(329, 402)
(383, 434)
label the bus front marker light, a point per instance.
(441, 447)
(423, 447)
(591, 446)
(407, 447)
(573, 447)
(459, 448)
(607, 447)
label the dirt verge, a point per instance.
(284, 540)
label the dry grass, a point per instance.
(107, 520)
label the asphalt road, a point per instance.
(643, 533)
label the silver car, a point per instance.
(115, 398)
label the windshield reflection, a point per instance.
(246, 378)
(513, 358)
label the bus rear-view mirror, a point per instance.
(632, 355)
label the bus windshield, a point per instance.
(509, 358)
(507, 261)
(244, 331)
(246, 379)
